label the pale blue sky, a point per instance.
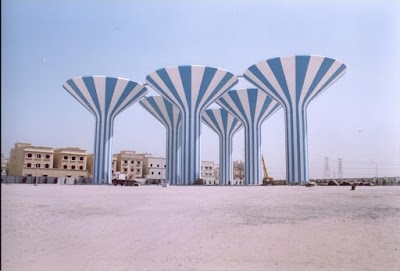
(45, 43)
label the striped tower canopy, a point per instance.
(169, 115)
(192, 89)
(252, 107)
(294, 82)
(105, 97)
(225, 125)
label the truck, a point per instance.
(121, 180)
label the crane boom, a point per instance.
(264, 167)
(266, 179)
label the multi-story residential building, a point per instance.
(129, 163)
(238, 172)
(154, 168)
(207, 173)
(73, 161)
(28, 160)
(89, 165)
(114, 166)
(4, 164)
(216, 172)
(70, 158)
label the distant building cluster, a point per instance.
(71, 162)
(27, 160)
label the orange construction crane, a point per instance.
(266, 180)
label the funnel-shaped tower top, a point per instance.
(192, 89)
(105, 97)
(225, 125)
(295, 81)
(252, 107)
(169, 115)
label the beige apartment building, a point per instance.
(216, 172)
(72, 160)
(129, 163)
(28, 160)
(89, 165)
(238, 172)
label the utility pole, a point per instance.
(327, 170)
(334, 173)
(37, 174)
(377, 173)
(340, 171)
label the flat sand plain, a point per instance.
(78, 227)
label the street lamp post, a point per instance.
(37, 174)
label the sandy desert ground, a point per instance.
(67, 227)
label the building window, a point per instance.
(81, 168)
(47, 166)
(138, 162)
(38, 165)
(125, 169)
(29, 155)
(47, 156)
(165, 165)
(151, 165)
(65, 157)
(73, 167)
(138, 170)
(69, 176)
(152, 173)
(81, 158)
(73, 158)
(65, 167)
(126, 161)
(158, 165)
(159, 173)
(38, 155)
(132, 162)
(29, 165)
